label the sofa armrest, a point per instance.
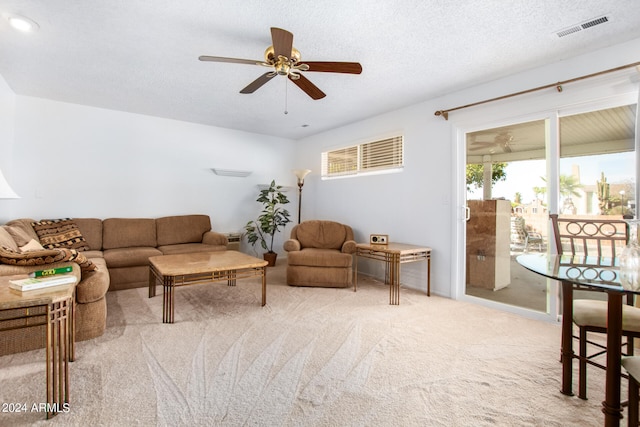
(291, 245)
(349, 247)
(214, 238)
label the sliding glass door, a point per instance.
(514, 174)
(597, 167)
(507, 213)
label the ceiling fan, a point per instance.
(502, 140)
(285, 61)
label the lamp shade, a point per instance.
(301, 173)
(6, 192)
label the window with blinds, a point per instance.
(384, 155)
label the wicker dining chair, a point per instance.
(599, 238)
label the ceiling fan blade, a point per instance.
(282, 42)
(309, 88)
(334, 67)
(258, 83)
(233, 60)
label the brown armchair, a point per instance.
(320, 254)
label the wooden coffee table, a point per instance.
(52, 307)
(201, 267)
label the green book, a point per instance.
(51, 272)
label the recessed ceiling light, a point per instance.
(21, 23)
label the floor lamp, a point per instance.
(300, 173)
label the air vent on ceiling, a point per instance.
(583, 26)
(594, 22)
(568, 31)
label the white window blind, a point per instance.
(340, 162)
(370, 157)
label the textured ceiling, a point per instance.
(141, 56)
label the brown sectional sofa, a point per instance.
(120, 248)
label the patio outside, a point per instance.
(597, 179)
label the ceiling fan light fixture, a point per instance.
(295, 55)
(301, 67)
(269, 55)
(282, 66)
(21, 23)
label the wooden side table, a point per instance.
(54, 308)
(393, 255)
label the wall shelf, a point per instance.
(231, 172)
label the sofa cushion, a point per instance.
(31, 245)
(91, 229)
(20, 235)
(129, 257)
(172, 230)
(60, 233)
(93, 254)
(25, 225)
(321, 234)
(313, 257)
(6, 240)
(128, 233)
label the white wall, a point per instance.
(71, 160)
(76, 161)
(7, 119)
(422, 204)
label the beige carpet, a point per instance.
(312, 357)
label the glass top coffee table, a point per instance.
(201, 267)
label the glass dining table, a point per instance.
(596, 273)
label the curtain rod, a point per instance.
(558, 86)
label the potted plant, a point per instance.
(271, 220)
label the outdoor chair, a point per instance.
(599, 238)
(520, 235)
(533, 238)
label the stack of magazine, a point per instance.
(43, 279)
